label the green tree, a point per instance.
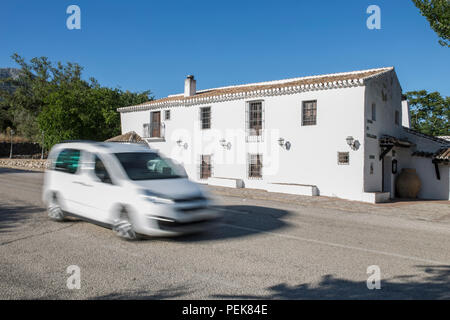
(430, 112)
(36, 80)
(56, 101)
(437, 12)
(77, 111)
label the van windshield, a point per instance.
(149, 166)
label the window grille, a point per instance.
(343, 158)
(205, 166)
(254, 121)
(255, 166)
(205, 118)
(309, 113)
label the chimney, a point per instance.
(189, 86)
(406, 115)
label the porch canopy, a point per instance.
(130, 137)
(442, 156)
(388, 142)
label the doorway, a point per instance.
(387, 176)
(155, 126)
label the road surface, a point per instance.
(263, 250)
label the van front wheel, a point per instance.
(123, 227)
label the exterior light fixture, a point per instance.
(350, 140)
(224, 144)
(354, 144)
(181, 144)
(283, 143)
(394, 166)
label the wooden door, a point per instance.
(156, 124)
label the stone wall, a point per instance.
(26, 164)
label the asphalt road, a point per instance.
(263, 249)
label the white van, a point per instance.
(127, 187)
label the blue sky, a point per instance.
(139, 45)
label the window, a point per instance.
(149, 166)
(374, 112)
(255, 166)
(309, 113)
(167, 115)
(343, 158)
(205, 166)
(68, 161)
(255, 118)
(100, 171)
(205, 118)
(397, 117)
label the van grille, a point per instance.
(190, 199)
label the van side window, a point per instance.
(68, 161)
(100, 171)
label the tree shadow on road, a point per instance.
(435, 285)
(241, 221)
(144, 294)
(11, 215)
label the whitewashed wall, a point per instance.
(311, 160)
(387, 86)
(431, 188)
(385, 124)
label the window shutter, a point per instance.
(199, 167)
(263, 120)
(248, 166)
(211, 166)
(247, 123)
(260, 165)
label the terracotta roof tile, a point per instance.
(127, 137)
(356, 75)
(443, 154)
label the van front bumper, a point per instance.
(184, 222)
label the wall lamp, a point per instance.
(354, 144)
(283, 143)
(180, 144)
(225, 144)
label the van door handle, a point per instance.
(83, 184)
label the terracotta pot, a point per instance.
(408, 184)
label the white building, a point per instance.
(341, 135)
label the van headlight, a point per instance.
(154, 198)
